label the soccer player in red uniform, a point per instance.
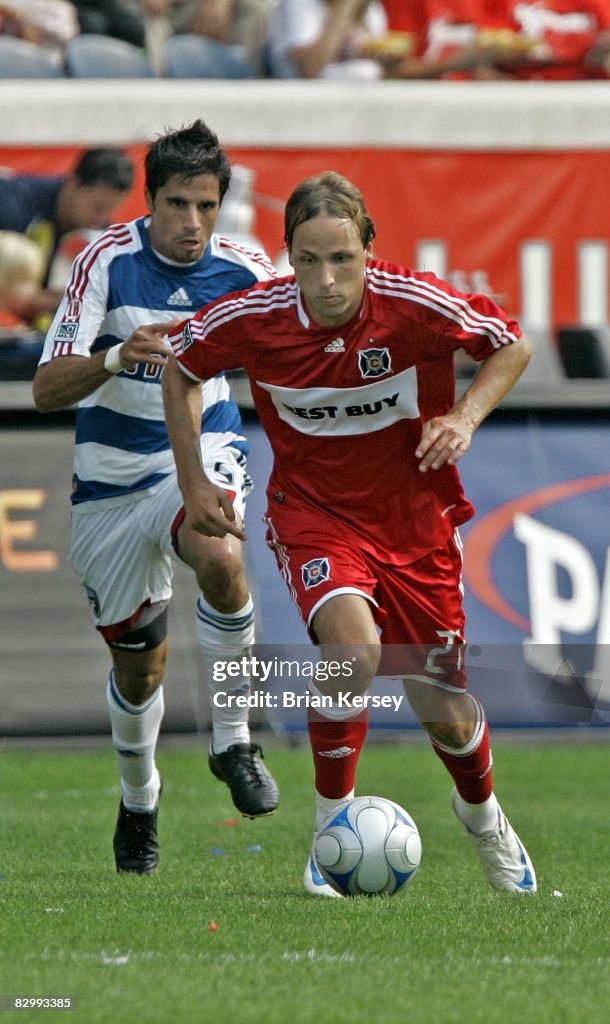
(351, 366)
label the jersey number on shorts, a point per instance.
(444, 652)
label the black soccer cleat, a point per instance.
(136, 847)
(253, 788)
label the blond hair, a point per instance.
(21, 262)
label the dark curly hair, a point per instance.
(187, 152)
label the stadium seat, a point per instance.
(585, 351)
(21, 59)
(98, 56)
(191, 56)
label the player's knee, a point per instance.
(138, 683)
(364, 662)
(223, 582)
(139, 655)
(451, 734)
(447, 713)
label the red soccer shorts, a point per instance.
(418, 606)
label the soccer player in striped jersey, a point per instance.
(351, 366)
(127, 513)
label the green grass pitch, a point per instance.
(224, 933)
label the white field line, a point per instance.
(120, 956)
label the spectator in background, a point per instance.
(325, 38)
(398, 39)
(21, 268)
(549, 39)
(546, 39)
(47, 23)
(117, 18)
(445, 38)
(48, 208)
(241, 23)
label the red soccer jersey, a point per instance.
(343, 408)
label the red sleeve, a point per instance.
(211, 341)
(455, 319)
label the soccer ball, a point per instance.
(371, 846)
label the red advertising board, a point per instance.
(531, 227)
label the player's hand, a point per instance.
(444, 441)
(146, 345)
(211, 513)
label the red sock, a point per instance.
(470, 770)
(336, 747)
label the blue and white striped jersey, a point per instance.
(117, 284)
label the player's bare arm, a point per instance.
(446, 439)
(67, 379)
(208, 508)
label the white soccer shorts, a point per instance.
(123, 554)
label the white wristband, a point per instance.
(112, 359)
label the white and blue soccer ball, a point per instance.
(370, 846)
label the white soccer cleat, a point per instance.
(504, 858)
(315, 884)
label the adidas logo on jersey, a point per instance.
(338, 345)
(179, 298)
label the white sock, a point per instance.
(325, 806)
(221, 638)
(335, 712)
(478, 818)
(135, 729)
